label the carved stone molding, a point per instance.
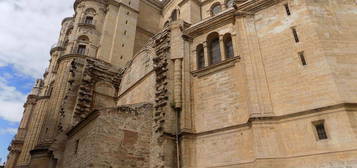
(216, 67)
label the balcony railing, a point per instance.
(57, 47)
(87, 22)
(80, 51)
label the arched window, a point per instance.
(200, 56)
(81, 50)
(229, 3)
(174, 15)
(215, 9)
(88, 16)
(82, 47)
(214, 52)
(90, 12)
(83, 38)
(228, 45)
(88, 20)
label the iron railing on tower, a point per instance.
(87, 22)
(80, 51)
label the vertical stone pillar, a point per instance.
(178, 83)
(188, 151)
(223, 50)
(186, 113)
(11, 159)
(27, 112)
(33, 133)
(205, 53)
(235, 44)
(260, 101)
(194, 56)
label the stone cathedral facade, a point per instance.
(196, 84)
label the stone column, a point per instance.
(186, 113)
(27, 112)
(11, 159)
(194, 60)
(205, 53)
(222, 48)
(235, 45)
(178, 83)
(33, 132)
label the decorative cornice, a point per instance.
(56, 48)
(230, 62)
(66, 19)
(242, 9)
(105, 2)
(210, 23)
(268, 119)
(70, 56)
(77, 2)
(254, 6)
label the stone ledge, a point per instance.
(216, 67)
(89, 25)
(210, 23)
(57, 48)
(349, 107)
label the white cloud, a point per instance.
(28, 28)
(11, 102)
(11, 131)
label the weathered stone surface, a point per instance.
(115, 137)
(136, 97)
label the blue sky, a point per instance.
(28, 28)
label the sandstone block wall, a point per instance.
(218, 101)
(288, 142)
(254, 110)
(336, 30)
(292, 86)
(270, 80)
(116, 137)
(138, 82)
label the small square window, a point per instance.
(320, 130)
(302, 58)
(76, 146)
(287, 9)
(295, 34)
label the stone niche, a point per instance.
(114, 137)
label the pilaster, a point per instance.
(260, 100)
(205, 49)
(33, 133)
(222, 48)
